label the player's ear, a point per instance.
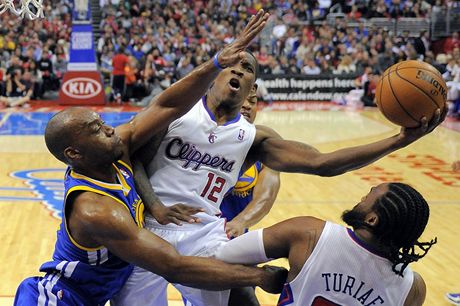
(71, 153)
(371, 219)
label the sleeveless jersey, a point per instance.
(94, 273)
(343, 271)
(198, 161)
(241, 195)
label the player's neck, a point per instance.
(105, 174)
(222, 111)
(368, 238)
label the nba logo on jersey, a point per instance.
(125, 174)
(241, 135)
(212, 137)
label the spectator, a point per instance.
(310, 67)
(119, 62)
(19, 89)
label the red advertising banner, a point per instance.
(82, 88)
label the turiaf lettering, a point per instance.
(178, 149)
(349, 285)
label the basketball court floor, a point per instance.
(31, 188)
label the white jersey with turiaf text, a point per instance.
(198, 161)
(343, 271)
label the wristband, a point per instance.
(216, 62)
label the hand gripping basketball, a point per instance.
(234, 52)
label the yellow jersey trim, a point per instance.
(86, 188)
(253, 183)
(127, 166)
(96, 182)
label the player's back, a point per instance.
(343, 271)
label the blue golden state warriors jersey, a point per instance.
(94, 273)
(241, 195)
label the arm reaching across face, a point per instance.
(182, 95)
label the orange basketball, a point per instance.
(410, 90)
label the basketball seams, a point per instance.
(419, 89)
(403, 68)
(396, 97)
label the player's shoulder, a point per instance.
(417, 293)
(263, 132)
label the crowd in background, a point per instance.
(146, 45)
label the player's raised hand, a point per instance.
(234, 52)
(412, 134)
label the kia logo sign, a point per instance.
(81, 88)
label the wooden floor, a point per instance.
(28, 227)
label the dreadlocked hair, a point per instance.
(403, 214)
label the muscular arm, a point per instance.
(294, 239)
(264, 195)
(417, 293)
(293, 156)
(182, 95)
(99, 220)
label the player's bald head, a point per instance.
(63, 129)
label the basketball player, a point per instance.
(248, 202)
(334, 265)
(101, 234)
(199, 159)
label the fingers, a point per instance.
(253, 19)
(254, 27)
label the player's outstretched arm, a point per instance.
(182, 95)
(264, 195)
(108, 223)
(292, 156)
(294, 238)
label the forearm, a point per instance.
(291, 156)
(264, 195)
(144, 188)
(211, 274)
(348, 159)
(183, 94)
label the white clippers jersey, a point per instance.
(199, 161)
(342, 271)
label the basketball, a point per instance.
(410, 90)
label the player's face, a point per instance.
(249, 108)
(357, 216)
(98, 141)
(234, 83)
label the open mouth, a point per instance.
(246, 115)
(234, 84)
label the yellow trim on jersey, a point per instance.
(252, 169)
(96, 182)
(139, 208)
(125, 187)
(127, 166)
(86, 188)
